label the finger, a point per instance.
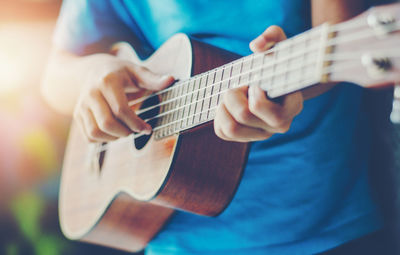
(79, 120)
(118, 102)
(105, 118)
(233, 131)
(276, 116)
(236, 103)
(145, 79)
(92, 131)
(267, 39)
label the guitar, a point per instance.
(120, 194)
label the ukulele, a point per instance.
(120, 194)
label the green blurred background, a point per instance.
(32, 136)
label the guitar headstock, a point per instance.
(366, 49)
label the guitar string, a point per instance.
(137, 135)
(358, 36)
(176, 99)
(327, 72)
(279, 46)
(211, 96)
(103, 147)
(216, 70)
(328, 57)
(262, 68)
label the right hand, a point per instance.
(102, 110)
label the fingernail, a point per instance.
(251, 95)
(147, 129)
(259, 44)
(167, 77)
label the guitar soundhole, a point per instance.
(102, 155)
(141, 141)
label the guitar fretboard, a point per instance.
(291, 65)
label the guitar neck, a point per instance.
(290, 66)
(363, 50)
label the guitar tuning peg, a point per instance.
(377, 65)
(395, 115)
(382, 23)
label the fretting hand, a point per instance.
(246, 114)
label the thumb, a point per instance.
(267, 39)
(146, 79)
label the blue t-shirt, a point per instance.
(302, 192)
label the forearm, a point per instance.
(64, 78)
(335, 11)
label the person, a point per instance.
(305, 188)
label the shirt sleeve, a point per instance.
(88, 26)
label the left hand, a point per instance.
(246, 114)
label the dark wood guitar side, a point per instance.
(198, 172)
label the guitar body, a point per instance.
(122, 197)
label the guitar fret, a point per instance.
(289, 64)
(185, 110)
(227, 78)
(182, 105)
(226, 75)
(245, 70)
(207, 96)
(240, 73)
(195, 96)
(271, 80)
(304, 59)
(255, 78)
(220, 82)
(173, 113)
(179, 105)
(262, 69)
(235, 75)
(199, 101)
(171, 105)
(191, 102)
(286, 64)
(164, 107)
(203, 96)
(251, 68)
(215, 92)
(217, 88)
(170, 118)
